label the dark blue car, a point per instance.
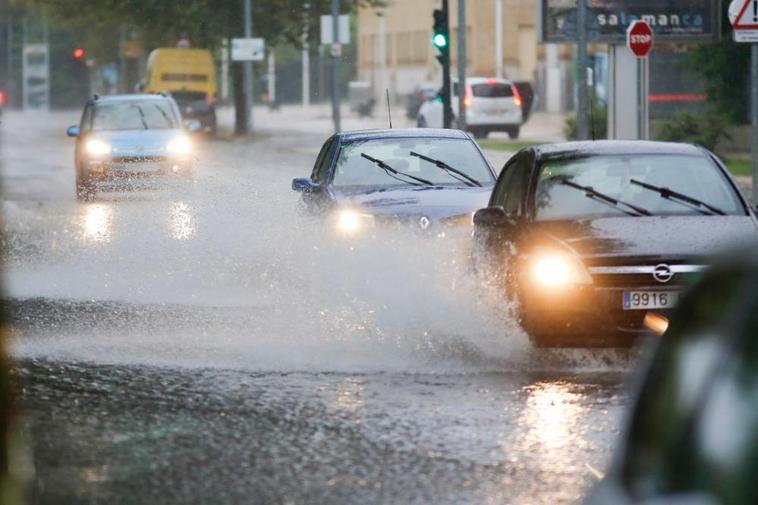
(426, 179)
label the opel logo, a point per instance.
(424, 223)
(663, 273)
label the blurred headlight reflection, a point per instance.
(553, 270)
(350, 222)
(181, 221)
(97, 147)
(180, 145)
(96, 223)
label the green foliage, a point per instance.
(702, 129)
(724, 67)
(206, 22)
(599, 128)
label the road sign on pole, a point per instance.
(248, 49)
(639, 38)
(743, 15)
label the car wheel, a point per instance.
(84, 187)
(480, 133)
(421, 122)
(514, 132)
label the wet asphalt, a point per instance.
(209, 343)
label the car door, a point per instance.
(512, 194)
(321, 198)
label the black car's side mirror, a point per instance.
(73, 131)
(305, 185)
(494, 217)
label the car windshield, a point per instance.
(355, 170)
(135, 115)
(619, 178)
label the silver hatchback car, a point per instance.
(128, 138)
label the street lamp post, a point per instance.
(248, 67)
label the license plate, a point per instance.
(646, 300)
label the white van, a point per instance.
(491, 105)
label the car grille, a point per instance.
(139, 159)
(623, 276)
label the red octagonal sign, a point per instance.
(639, 38)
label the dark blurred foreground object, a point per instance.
(693, 435)
(526, 91)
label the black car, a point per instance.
(693, 433)
(591, 239)
(427, 179)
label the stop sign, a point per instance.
(639, 38)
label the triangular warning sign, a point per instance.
(747, 16)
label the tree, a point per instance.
(207, 22)
(724, 67)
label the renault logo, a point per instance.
(663, 273)
(424, 223)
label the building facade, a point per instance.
(395, 50)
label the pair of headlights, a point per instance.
(180, 145)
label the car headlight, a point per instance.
(557, 269)
(97, 147)
(179, 145)
(349, 221)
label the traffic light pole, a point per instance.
(461, 64)
(446, 91)
(248, 69)
(582, 105)
(336, 116)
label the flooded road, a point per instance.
(207, 342)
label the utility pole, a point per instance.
(272, 77)
(754, 115)
(336, 66)
(499, 39)
(248, 68)
(306, 57)
(461, 64)
(582, 116)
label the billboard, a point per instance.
(608, 20)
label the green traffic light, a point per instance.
(439, 40)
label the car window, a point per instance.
(695, 176)
(321, 168)
(492, 90)
(87, 118)
(355, 170)
(511, 189)
(134, 115)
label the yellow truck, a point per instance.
(189, 76)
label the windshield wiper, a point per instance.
(142, 117)
(392, 172)
(454, 173)
(681, 198)
(169, 123)
(591, 192)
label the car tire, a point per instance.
(514, 132)
(84, 187)
(480, 133)
(421, 122)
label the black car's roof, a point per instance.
(606, 147)
(401, 133)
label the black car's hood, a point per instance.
(435, 202)
(654, 237)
